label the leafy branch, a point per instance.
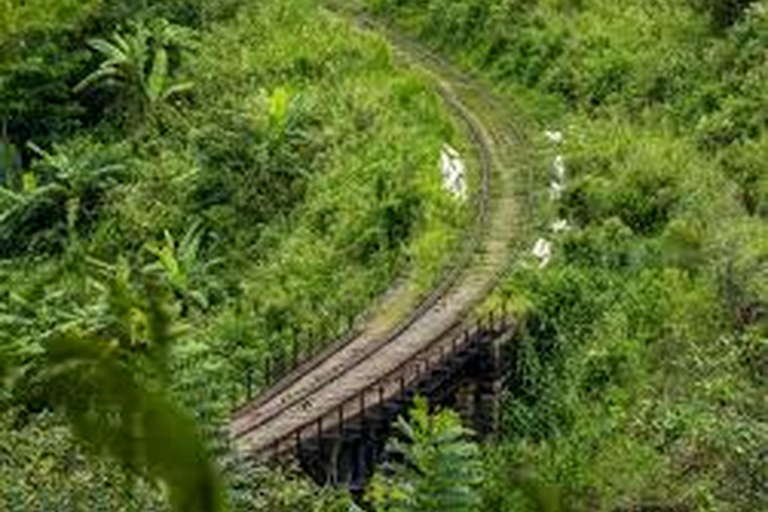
(106, 371)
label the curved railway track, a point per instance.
(381, 358)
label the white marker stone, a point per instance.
(560, 225)
(556, 190)
(559, 167)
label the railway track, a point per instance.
(381, 358)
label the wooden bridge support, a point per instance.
(347, 458)
(475, 395)
(470, 381)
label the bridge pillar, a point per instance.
(471, 383)
(476, 388)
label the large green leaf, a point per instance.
(106, 373)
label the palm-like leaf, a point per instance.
(79, 169)
(157, 76)
(116, 66)
(176, 89)
(138, 62)
(115, 53)
(181, 263)
(104, 370)
(10, 197)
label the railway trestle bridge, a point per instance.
(463, 370)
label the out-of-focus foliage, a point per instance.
(42, 468)
(104, 366)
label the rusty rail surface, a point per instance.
(400, 384)
(279, 378)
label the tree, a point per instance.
(435, 468)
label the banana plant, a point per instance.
(137, 61)
(182, 266)
(81, 173)
(65, 183)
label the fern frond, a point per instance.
(109, 50)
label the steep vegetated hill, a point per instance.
(191, 186)
(262, 166)
(641, 370)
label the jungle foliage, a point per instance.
(187, 189)
(640, 372)
(193, 187)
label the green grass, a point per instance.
(279, 197)
(373, 208)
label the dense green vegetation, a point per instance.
(192, 188)
(189, 188)
(440, 469)
(640, 374)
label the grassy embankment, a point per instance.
(640, 373)
(284, 185)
